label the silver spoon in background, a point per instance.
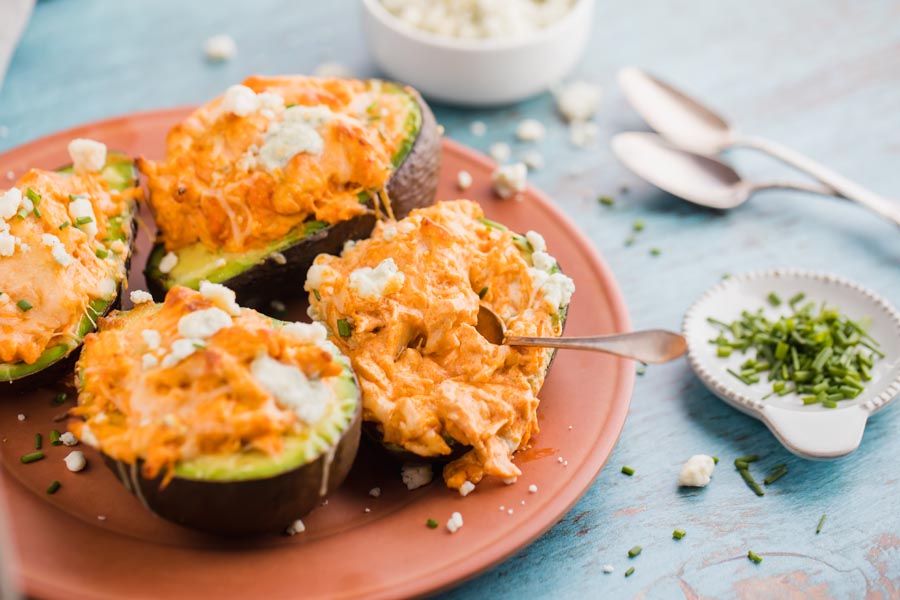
(699, 179)
(691, 125)
(653, 346)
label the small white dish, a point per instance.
(811, 431)
(477, 72)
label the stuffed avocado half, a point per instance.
(403, 306)
(65, 243)
(215, 416)
(259, 181)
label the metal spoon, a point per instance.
(653, 346)
(699, 179)
(691, 125)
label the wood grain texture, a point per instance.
(821, 76)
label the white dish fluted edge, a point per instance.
(808, 431)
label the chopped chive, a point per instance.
(821, 523)
(630, 240)
(628, 471)
(53, 487)
(829, 404)
(606, 201)
(37, 212)
(343, 328)
(493, 224)
(32, 457)
(64, 225)
(83, 220)
(38, 441)
(24, 305)
(796, 299)
(483, 292)
(60, 398)
(22, 213)
(655, 252)
(715, 460)
(751, 483)
(723, 351)
(635, 551)
(316, 294)
(641, 370)
(629, 571)
(678, 534)
(748, 459)
(54, 437)
(638, 225)
(775, 476)
(33, 196)
(773, 299)
(754, 556)
(431, 524)
(101, 253)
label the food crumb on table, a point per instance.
(220, 48)
(477, 128)
(375, 492)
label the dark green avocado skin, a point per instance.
(269, 280)
(247, 507)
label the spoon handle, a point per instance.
(843, 186)
(651, 346)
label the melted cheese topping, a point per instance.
(209, 400)
(57, 271)
(246, 169)
(425, 372)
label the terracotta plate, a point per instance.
(93, 540)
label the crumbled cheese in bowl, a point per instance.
(479, 19)
(696, 472)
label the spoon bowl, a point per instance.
(674, 114)
(700, 179)
(652, 346)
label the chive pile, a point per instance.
(819, 353)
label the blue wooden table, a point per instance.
(821, 76)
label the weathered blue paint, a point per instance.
(822, 76)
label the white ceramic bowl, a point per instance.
(477, 72)
(808, 431)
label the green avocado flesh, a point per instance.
(120, 174)
(297, 451)
(197, 262)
